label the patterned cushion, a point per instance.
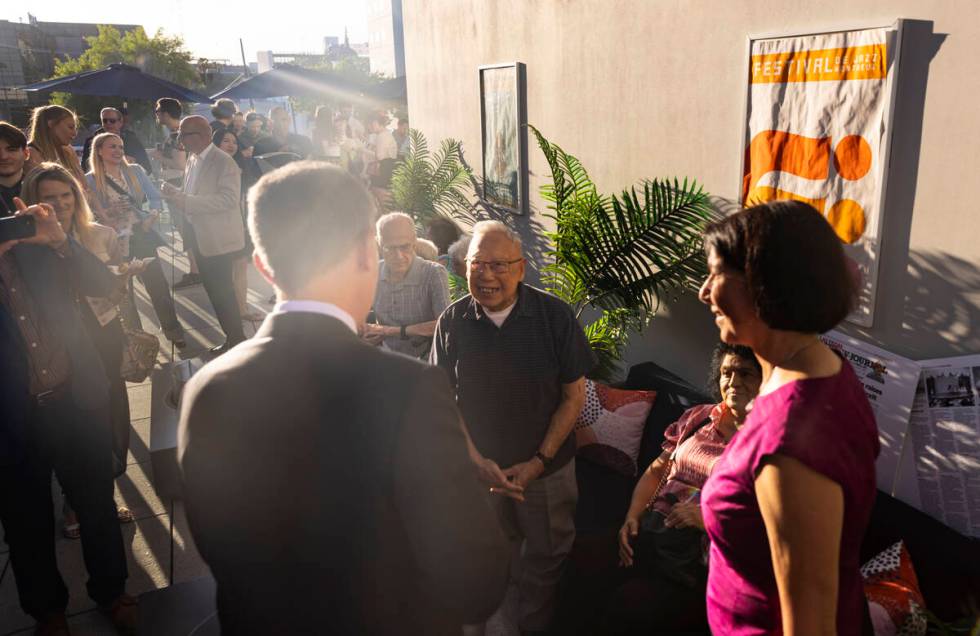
(892, 589)
(610, 427)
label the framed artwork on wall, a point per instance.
(503, 123)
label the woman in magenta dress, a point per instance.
(788, 502)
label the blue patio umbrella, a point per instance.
(118, 80)
(287, 80)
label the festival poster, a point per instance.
(889, 381)
(817, 129)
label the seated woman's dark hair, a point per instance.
(219, 135)
(723, 349)
(794, 264)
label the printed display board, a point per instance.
(889, 382)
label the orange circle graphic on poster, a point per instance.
(852, 157)
(848, 220)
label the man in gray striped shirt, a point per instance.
(412, 293)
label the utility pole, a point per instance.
(251, 104)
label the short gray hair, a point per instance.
(426, 249)
(392, 217)
(305, 218)
(490, 227)
(457, 251)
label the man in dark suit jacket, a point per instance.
(327, 482)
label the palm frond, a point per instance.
(458, 286)
(425, 185)
(623, 254)
(608, 336)
(638, 249)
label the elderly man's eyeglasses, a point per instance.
(404, 248)
(184, 133)
(497, 267)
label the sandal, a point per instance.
(124, 515)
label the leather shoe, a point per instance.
(188, 280)
(53, 624)
(124, 613)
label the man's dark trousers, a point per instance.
(76, 444)
(218, 283)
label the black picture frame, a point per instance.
(503, 135)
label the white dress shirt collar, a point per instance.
(316, 307)
(204, 153)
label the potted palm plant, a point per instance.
(426, 185)
(616, 258)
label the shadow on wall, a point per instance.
(941, 316)
(528, 226)
(923, 307)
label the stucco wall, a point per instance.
(649, 88)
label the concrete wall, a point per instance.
(649, 88)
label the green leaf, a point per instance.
(426, 185)
(624, 254)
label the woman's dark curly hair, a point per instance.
(722, 349)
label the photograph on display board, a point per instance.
(949, 388)
(504, 136)
(817, 126)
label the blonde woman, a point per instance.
(51, 131)
(119, 189)
(52, 184)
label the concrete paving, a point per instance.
(147, 540)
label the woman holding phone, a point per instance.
(52, 184)
(119, 190)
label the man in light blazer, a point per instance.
(327, 482)
(211, 202)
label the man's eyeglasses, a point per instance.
(187, 134)
(403, 248)
(109, 120)
(497, 267)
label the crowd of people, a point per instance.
(421, 429)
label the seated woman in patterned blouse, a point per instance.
(660, 583)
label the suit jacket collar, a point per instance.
(206, 163)
(295, 323)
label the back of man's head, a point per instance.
(170, 106)
(305, 218)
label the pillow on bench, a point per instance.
(610, 427)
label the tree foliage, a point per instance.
(160, 55)
(621, 255)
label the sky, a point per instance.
(211, 28)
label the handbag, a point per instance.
(140, 349)
(674, 553)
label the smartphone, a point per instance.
(17, 227)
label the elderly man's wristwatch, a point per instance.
(544, 458)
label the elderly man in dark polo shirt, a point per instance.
(411, 293)
(517, 358)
